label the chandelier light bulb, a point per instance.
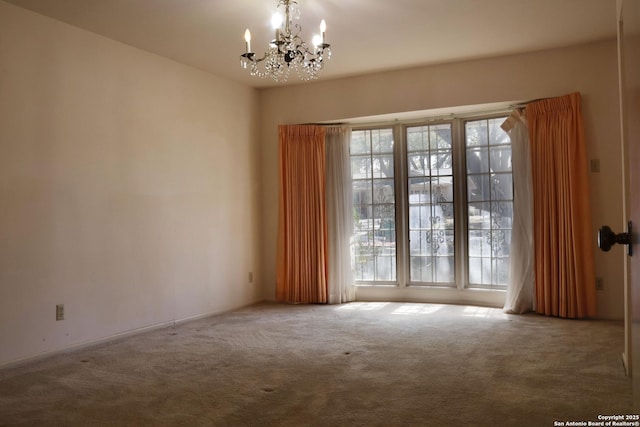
(317, 40)
(323, 29)
(276, 20)
(247, 39)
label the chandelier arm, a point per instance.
(251, 57)
(260, 59)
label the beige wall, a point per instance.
(590, 69)
(128, 188)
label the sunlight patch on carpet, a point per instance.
(418, 309)
(485, 312)
(363, 306)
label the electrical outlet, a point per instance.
(59, 312)
(599, 283)
(251, 277)
(595, 165)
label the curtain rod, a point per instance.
(326, 124)
(525, 103)
(430, 119)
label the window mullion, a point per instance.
(460, 201)
(402, 210)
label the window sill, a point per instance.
(431, 294)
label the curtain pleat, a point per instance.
(565, 276)
(302, 227)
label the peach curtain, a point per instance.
(302, 224)
(565, 277)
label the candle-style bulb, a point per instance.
(323, 28)
(276, 20)
(247, 39)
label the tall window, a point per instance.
(433, 204)
(431, 208)
(372, 172)
(489, 202)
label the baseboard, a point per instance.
(119, 335)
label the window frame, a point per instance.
(379, 283)
(461, 225)
(468, 284)
(405, 183)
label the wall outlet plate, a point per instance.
(59, 312)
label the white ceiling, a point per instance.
(366, 35)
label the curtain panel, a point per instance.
(564, 263)
(339, 215)
(520, 291)
(301, 270)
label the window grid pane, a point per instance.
(372, 178)
(431, 209)
(489, 203)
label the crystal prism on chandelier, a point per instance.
(287, 50)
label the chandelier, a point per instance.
(287, 50)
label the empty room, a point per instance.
(319, 212)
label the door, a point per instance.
(629, 38)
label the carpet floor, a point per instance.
(358, 364)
